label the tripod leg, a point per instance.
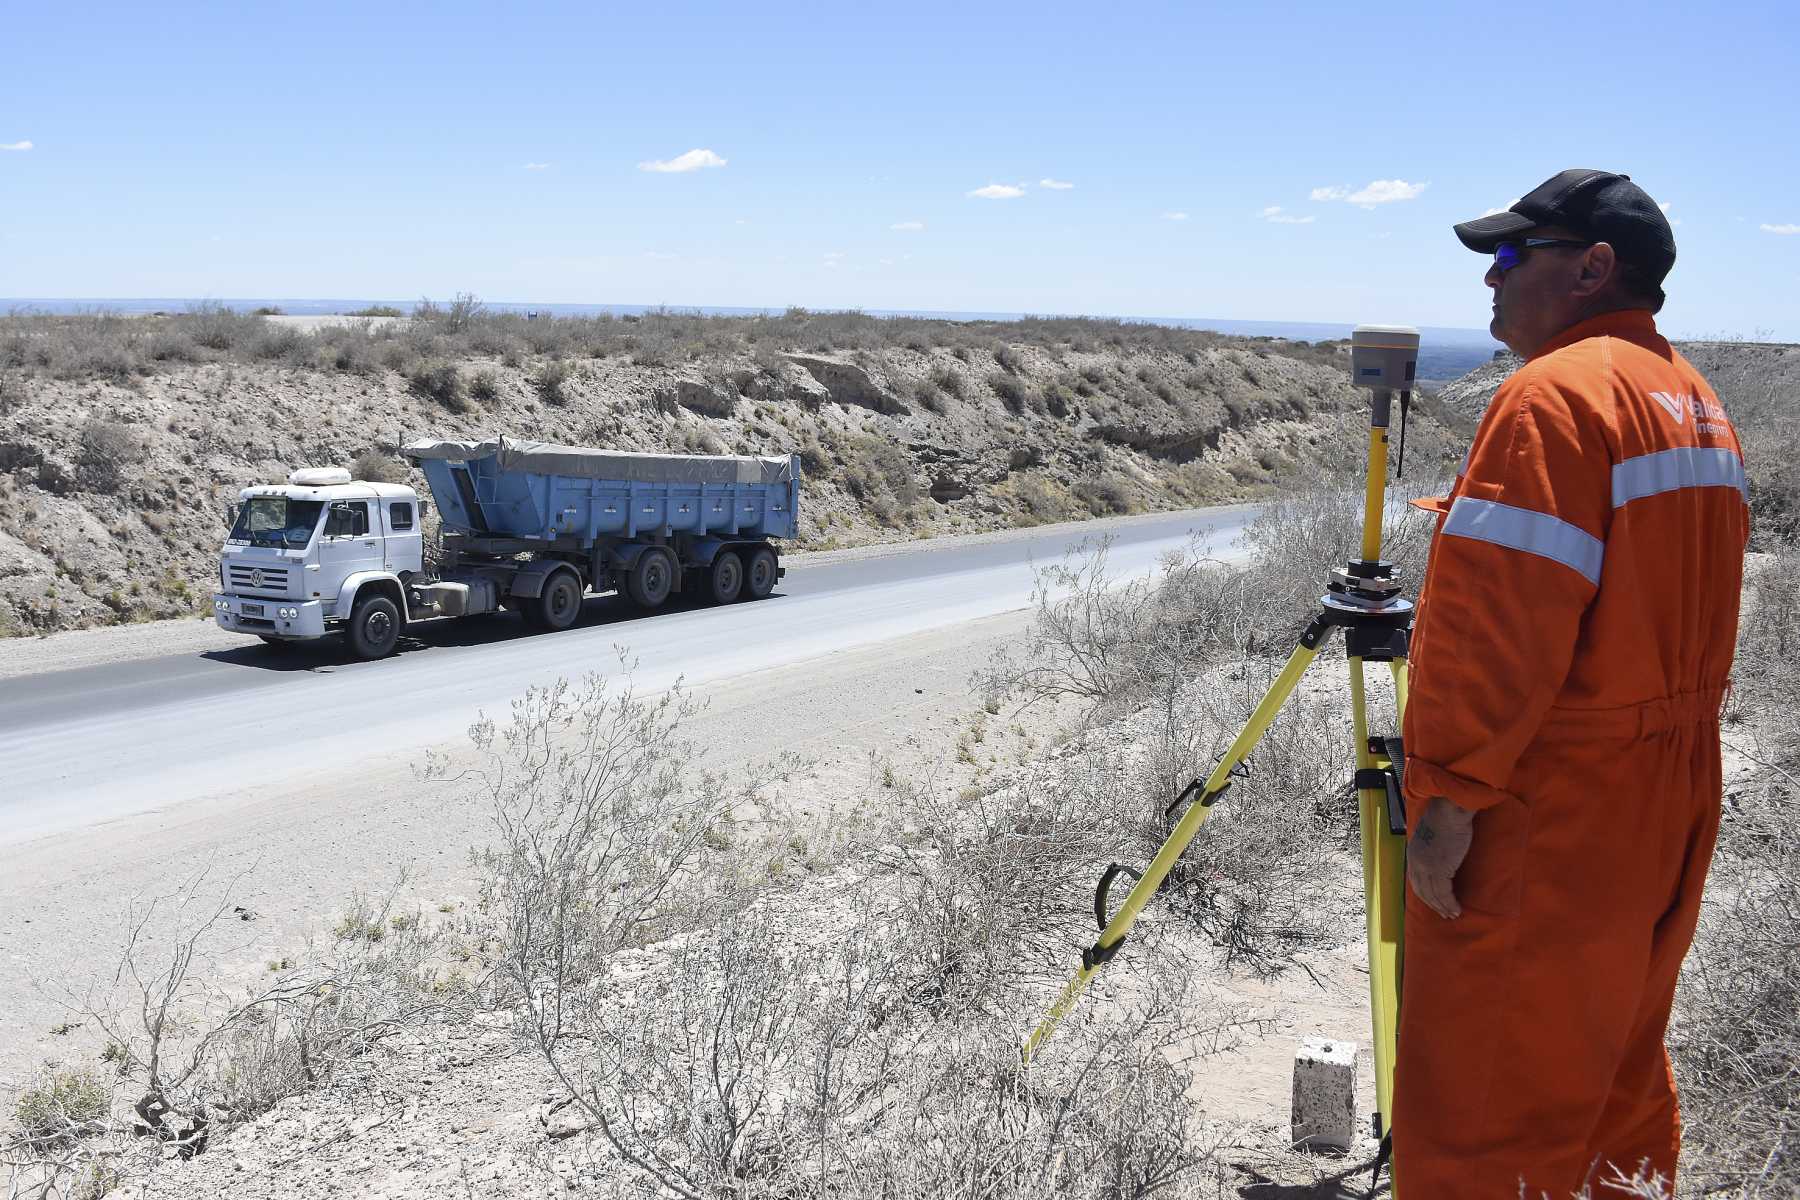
(1384, 896)
(1116, 928)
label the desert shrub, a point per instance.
(268, 310)
(600, 820)
(106, 448)
(279, 343)
(1007, 358)
(951, 381)
(1058, 401)
(930, 396)
(874, 468)
(1110, 494)
(439, 381)
(484, 386)
(61, 1104)
(1014, 393)
(1043, 500)
(219, 328)
(378, 310)
(552, 381)
(172, 345)
(372, 466)
(12, 393)
(815, 460)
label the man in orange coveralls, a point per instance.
(1571, 654)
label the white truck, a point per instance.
(528, 526)
(320, 555)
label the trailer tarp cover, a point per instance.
(547, 458)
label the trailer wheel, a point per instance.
(726, 577)
(759, 573)
(558, 605)
(374, 627)
(651, 578)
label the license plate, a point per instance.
(253, 610)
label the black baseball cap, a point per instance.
(1596, 204)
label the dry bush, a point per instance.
(552, 381)
(372, 466)
(874, 468)
(600, 817)
(439, 381)
(484, 386)
(106, 448)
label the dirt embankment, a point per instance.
(123, 444)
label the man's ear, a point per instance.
(1598, 266)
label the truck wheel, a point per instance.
(759, 573)
(558, 605)
(726, 578)
(374, 627)
(651, 579)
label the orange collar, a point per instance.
(1632, 324)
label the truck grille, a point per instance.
(258, 579)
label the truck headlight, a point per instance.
(221, 605)
(290, 613)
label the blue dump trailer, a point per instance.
(534, 527)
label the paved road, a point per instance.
(98, 743)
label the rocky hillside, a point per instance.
(124, 441)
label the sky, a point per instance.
(1295, 162)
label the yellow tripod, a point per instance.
(1364, 599)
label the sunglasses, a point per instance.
(1508, 255)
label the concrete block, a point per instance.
(1325, 1093)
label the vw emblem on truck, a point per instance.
(256, 578)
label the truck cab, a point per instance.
(320, 554)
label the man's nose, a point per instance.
(1494, 276)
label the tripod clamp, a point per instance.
(1096, 954)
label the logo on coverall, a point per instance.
(1709, 417)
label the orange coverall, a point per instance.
(1570, 657)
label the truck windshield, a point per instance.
(277, 521)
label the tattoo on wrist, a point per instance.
(1426, 834)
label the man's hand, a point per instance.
(1437, 848)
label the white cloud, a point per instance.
(661, 255)
(834, 254)
(693, 160)
(1782, 229)
(536, 166)
(907, 226)
(1055, 185)
(1274, 215)
(1175, 216)
(998, 191)
(15, 146)
(1380, 191)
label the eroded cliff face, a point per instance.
(115, 483)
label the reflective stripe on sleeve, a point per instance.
(1532, 532)
(1672, 470)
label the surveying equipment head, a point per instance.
(1384, 357)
